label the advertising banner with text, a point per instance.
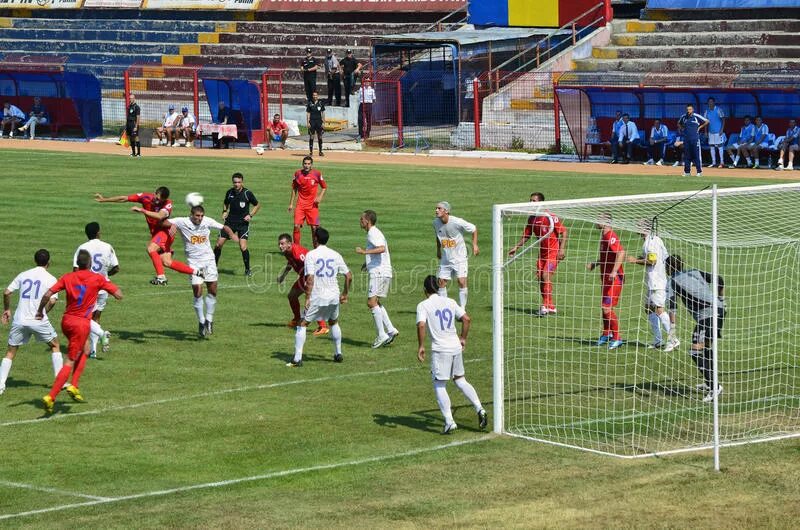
(41, 4)
(326, 6)
(238, 5)
(119, 4)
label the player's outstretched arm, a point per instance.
(117, 198)
(43, 303)
(421, 341)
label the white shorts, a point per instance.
(21, 333)
(714, 139)
(102, 298)
(446, 271)
(321, 312)
(379, 286)
(446, 366)
(655, 298)
(211, 271)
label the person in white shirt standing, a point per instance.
(322, 265)
(437, 315)
(379, 266)
(32, 285)
(195, 231)
(105, 263)
(654, 258)
(452, 250)
(366, 98)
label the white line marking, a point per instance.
(213, 393)
(51, 490)
(265, 476)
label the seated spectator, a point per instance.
(678, 145)
(789, 146)
(187, 125)
(12, 116)
(627, 135)
(760, 141)
(615, 127)
(37, 116)
(223, 117)
(742, 144)
(166, 132)
(278, 131)
(658, 143)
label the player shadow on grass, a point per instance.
(141, 337)
(665, 388)
(593, 342)
(19, 383)
(273, 325)
(428, 420)
(285, 357)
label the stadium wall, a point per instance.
(295, 6)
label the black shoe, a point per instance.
(201, 329)
(626, 161)
(292, 364)
(321, 153)
(483, 419)
(248, 272)
(338, 358)
(449, 428)
(158, 281)
(209, 327)
(613, 161)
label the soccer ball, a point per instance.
(194, 199)
(259, 150)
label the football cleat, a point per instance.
(709, 397)
(655, 345)
(660, 162)
(48, 404)
(158, 280)
(603, 340)
(392, 336)
(671, 345)
(201, 329)
(248, 273)
(702, 387)
(338, 358)
(93, 354)
(106, 341)
(293, 364)
(699, 174)
(686, 175)
(322, 331)
(676, 164)
(209, 327)
(74, 393)
(614, 344)
(483, 419)
(449, 428)
(378, 342)
(200, 272)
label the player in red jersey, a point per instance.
(156, 207)
(612, 255)
(295, 259)
(82, 287)
(552, 239)
(305, 185)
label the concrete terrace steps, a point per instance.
(737, 38)
(98, 35)
(711, 51)
(689, 64)
(705, 26)
(117, 24)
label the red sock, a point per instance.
(181, 267)
(157, 265)
(294, 303)
(547, 294)
(322, 324)
(614, 321)
(78, 370)
(296, 236)
(606, 326)
(61, 378)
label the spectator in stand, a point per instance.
(658, 143)
(309, 68)
(742, 145)
(789, 146)
(678, 145)
(627, 135)
(167, 132)
(615, 127)
(366, 97)
(759, 140)
(12, 116)
(351, 68)
(187, 126)
(716, 132)
(278, 130)
(37, 116)
(223, 117)
(333, 72)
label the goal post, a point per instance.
(738, 248)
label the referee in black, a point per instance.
(315, 117)
(237, 215)
(132, 126)
(309, 68)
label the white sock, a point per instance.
(462, 297)
(198, 308)
(443, 292)
(713, 156)
(377, 315)
(469, 393)
(721, 155)
(58, 361)
(443, 399)
(336, 335)
(736, 160)
(665, 323)
(5, 367)
(95, 332)
(655, 325)
(299, 342)
(748, 160)
(211, 305)
(386, 322)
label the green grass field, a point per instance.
(187, 433)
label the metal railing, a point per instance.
(444, 24)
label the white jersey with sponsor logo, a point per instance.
(324, 264)
(196, 238)
(653, 250)
(440, 315)
(31, 284)
(103, 256)
(378, 264)
(451, 238)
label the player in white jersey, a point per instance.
(437, 315)
(654, 258)
(451, 249)
(322, 265)
(195, 231)
(105, 263)
(378, 264)
(31, 284)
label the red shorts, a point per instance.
(163, 240)
(309, 214)
(76, 329)
(547, 263)
(611, 292)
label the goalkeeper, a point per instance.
(694, 288)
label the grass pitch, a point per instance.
(183, 432)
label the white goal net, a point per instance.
(555, 383)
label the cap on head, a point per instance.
(308, 50)
(444, 205)
(329, 50)
(349, 51)
(172, 107)
(185, 109)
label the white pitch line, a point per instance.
(51, 490)
(212, 393)
(265, 476)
